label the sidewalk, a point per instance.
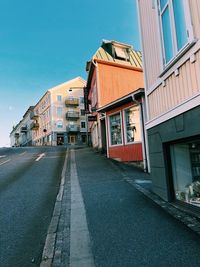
(103, 220)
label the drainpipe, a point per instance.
(143, 132)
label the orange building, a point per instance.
(115, 95)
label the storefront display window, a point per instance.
(132, 125)
(115, 129)
(186, 171)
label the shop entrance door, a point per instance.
(72, 139)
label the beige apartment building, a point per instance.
(21, 134)
(59, 116)
(170, 36)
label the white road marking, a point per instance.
(2, 156)
(80, 244)
(40, 156)
(5, 162)
(21, 154)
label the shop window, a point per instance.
(132, 125)
(185, 159)
(115, 129)
(174, 29)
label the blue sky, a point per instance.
(47, 42)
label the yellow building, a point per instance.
(59, 116)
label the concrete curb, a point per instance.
(49, 247)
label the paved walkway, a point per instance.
(105, 221)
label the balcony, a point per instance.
(23, 129)
(71, 102)
(73, 128)
(33, 116)
(34, 126)
(72, 115)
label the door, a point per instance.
(72, 139)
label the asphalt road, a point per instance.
(126, 228)
(29, 183)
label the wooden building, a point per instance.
(171, 54)
(114, 74)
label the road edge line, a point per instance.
(49, 247)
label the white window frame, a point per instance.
(109, 131)
(125, 133)
(189, 29)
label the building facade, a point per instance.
(114, 74)
(59, 116)
(21, 134)
(170, 35)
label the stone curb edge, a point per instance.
(49, 247)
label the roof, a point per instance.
(68, 82)
(105, 53)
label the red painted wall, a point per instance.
(131, 152)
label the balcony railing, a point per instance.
(72, 115)
(33, 116)
(23, 129)
(73, 128)
(34, 126)
(72, 102)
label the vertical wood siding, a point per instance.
(150, 35)
(116, 82)
(178, 88)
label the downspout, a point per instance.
(143, 132)
(98, 100)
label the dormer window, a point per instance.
(121, 53)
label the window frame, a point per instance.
(125, 129)
(121, 130)
(189, 29)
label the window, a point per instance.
(121, 53)
(175, 34)
(132, 124)
(82, 124)
(82, 112)
(59, 98)
(81, 100)
(59, 124)
(185, 158)
(59, 111)
(115, 129)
